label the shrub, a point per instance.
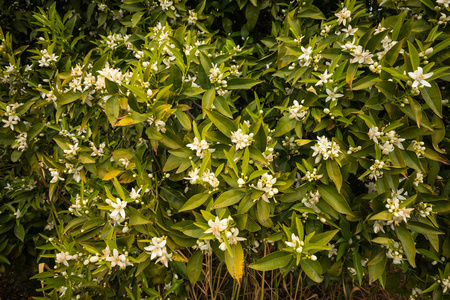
(149, 145)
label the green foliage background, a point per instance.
(185, 148)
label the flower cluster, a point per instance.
(10, 112)
(418, 147)
(312, 201)
(387, 139)
(395, 252)
(312, 176)
(158, 249)
(200, 147)
(232, 237)
(265, 184)
(325, 149)
(64, 257)
(399, 214)
(207, 177)
(21, 142)
(298, 111)
(376, 169)
(120, 260)
(240, 139)
(47, 59)
(217, 76)
(424, 209)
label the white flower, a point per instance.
(217, 226)
(233, 238)
(193, 176)
(350, 31)
(323, 78)
(118, 208)
(333, 250)
(343, 15)
(419, 77)
(156, 248)
(124, 161)
(332, 95)
(55, 174)
(118, 260)
(165, 257)
(397, 194)
(361, 56)
(63, 257)
(378, 226)
(446, 3)
(296, 243)
(374, 134)
(298, 111)
(160, 126)
(371, 186)
(210, 178)
(11, 122)
(106, 252)
(135, 194)
(306, 56)
(18, 214)
(72, 151)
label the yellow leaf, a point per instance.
(235, 262)
(111, 174)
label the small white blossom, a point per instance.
(419, 77)
(118, 206)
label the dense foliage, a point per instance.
(156, 149)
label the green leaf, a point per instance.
(312, 269)
(351, 72)
(334, 199)
(229, 198)
(423, 228)
(235, 261)
(112, 108)
(195, 201)
(407, 241)
(324, 237)
(334, 172)
(15, 155)
(194, 266)
(376, 265)
(242, 83)
(414, 55)
(208, 99)
(19, 232)
(284, 125)
(432, 96)
(225, 125)
(35, 130)
(68, 98)
(358, 266)
(136, 218)
(136, 18)
(273, 261)
(111, 86)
